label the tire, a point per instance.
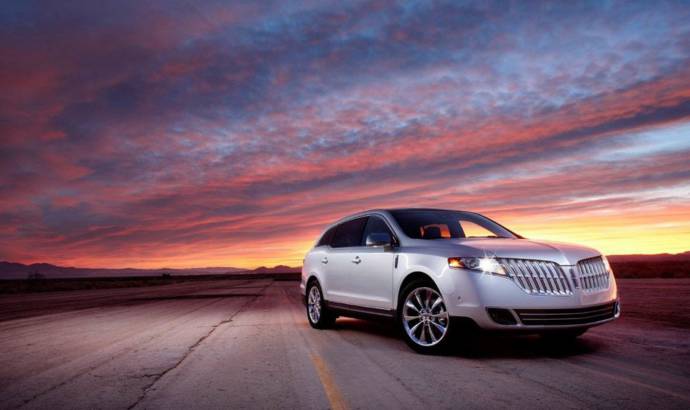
(423, 319)
(318, 315)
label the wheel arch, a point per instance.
(310, 279)
(411, 277)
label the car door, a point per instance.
(340, 266)
(371, 276)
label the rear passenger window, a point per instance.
(327, 237)
(349, 233)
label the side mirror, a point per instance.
(381, 239)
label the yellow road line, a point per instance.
(332, 392)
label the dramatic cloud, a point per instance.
(229, 133)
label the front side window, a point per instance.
(375, 225)
(349, 233)
(439, 224)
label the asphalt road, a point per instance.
(246, 344)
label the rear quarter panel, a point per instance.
(312, 267)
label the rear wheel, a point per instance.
(317, 313)
(424, 319)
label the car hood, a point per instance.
(561, 253)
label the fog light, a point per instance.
(502, 316)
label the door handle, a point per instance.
(357, 260)
(324, 260)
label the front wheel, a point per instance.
(317, 313)
(425, 322)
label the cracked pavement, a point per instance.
(246, 344)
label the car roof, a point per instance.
(423, 210)
(388, 210)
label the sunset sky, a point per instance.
(189, 133)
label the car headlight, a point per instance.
(484, 265)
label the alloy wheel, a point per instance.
(314, 304)
(425, 317)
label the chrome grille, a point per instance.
(593, 274)
(577, 316)
(537, 277)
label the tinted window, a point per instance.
(375, 225)
(473, 230)
(327, 237)
(349, 233)
(435, 224)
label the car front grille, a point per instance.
(592, 274)
(553, 317)
(537, 277)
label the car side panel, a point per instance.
(410, 262)
(338, 276)
(312, 267)
(371, 280)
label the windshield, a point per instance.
(438, 224)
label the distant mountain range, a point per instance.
(659, 257)
(277, 269)
(12, 270)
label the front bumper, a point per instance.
(498, 303)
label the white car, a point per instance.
(433, 271)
